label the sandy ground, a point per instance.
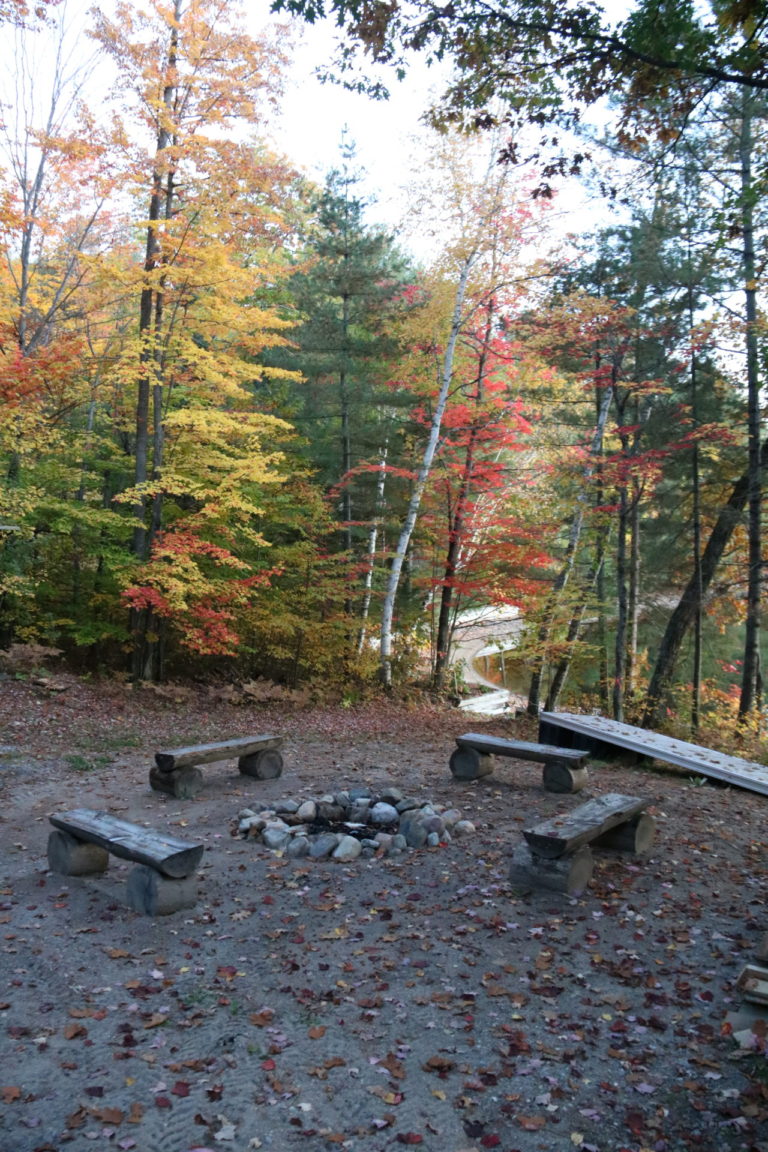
(420, 1001)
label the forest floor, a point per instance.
(413, 1001)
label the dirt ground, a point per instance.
(416, 1001)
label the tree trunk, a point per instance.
(750, 695)
(373, 537)
(398, 559)
(545, 628)
(693, 595)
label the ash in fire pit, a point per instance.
(345, 825)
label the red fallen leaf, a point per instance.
(9, 1093)
(490, 1141)
(227, 972)
(409, 1138)
(268, 1065)
(262, 1019)
(215, 1093)
(162, 1102)
(180, 1088)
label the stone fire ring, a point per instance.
(357, 822)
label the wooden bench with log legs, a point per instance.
(564, 768)
(556, 853)
(163, 880)
(176, 770)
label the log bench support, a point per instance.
(176, 770)
(163, 879)
(475, 756)
(556, 854)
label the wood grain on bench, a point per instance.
(521, 749)
(166, 854)
(174, 758)
(564, 834)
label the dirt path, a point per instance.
(418, 1001)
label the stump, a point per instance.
(73, 857)
(264, 765)
(560, 777)
(469, 764)
(636, 835)
(184, 784)
(152, 894)
(567, 874)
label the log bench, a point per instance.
(564, 768)
(556, 853)
(163, 879)
(176, 770)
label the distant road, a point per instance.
(484, 632)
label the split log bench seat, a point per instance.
(163, 880)
(176, 770)
(556, 853)
(564, 768)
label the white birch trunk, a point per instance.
(421, 481)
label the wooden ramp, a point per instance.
(590, 732)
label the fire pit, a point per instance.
(352, 823)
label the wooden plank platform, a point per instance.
(555, 727)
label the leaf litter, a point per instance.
(419, 1001)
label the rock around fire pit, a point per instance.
(358, 822)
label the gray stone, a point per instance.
(433, 823)
(276, 838)
(374, 844)
(244, 813)
(384, 842)
(307, 811)
(284, 806)
(348, 848)
(399, 842)
(407, 804)
(450, 817)
(298, 847)
(330, 813)
(342, 798)
(433, 840)
(356, 794)
(464, 828)
(251, 824)
(382, 813)
(391, 794)
(413, 830)
(360, 813)
(323, 845)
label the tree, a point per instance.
(484, 236)
(211, 231)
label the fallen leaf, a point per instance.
(72, 1031)
(9, 1093)
(155, 1020)
(532, 1123)
(316, 1032)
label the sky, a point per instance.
(315, 114)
